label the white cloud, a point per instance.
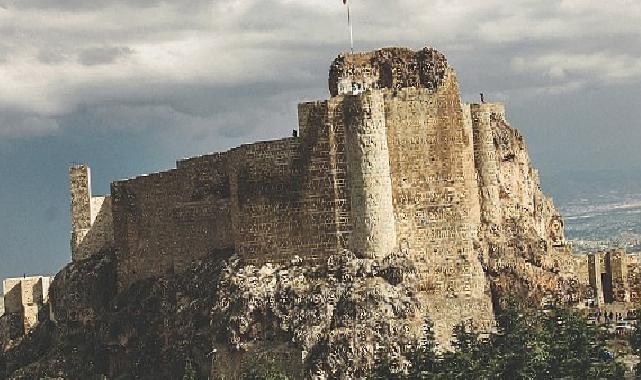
(58, 55)
(596, 67)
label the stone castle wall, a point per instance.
(164, 220)
(92, 221)
(436, 201)
(26, 297)
(268, 201)
(392, 161)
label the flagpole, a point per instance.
(351, 31)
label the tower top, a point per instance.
(387, 68)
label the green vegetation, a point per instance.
(552, 344)
(635, 342)
(269, 373)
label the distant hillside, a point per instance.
(568, 186)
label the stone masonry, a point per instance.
(614, 277)
(27, 297)
(393, 160)
(91, 220)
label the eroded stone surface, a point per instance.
(395, 204)
(337, 318)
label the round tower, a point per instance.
(374, 233)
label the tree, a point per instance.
(530, 344)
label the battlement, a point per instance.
(392, 68)
(27, 296)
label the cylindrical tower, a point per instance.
(485, 159)
(374, 232)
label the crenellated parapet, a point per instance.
(391, 68)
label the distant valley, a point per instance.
(601, 209)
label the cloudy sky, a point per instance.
(130, 85)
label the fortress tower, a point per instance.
(374, 230)
(80, 180)
(91, 219)
(485, 157)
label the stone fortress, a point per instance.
(392, 161)
(387, 163)
(26, 300)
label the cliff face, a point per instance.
(155, 330)
(521, 236)
(328, 321)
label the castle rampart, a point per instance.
(391, 161)
(91, 222)
(27, 297)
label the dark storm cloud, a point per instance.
(200, 57)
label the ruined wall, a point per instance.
(91, 218)
(614, 276)
(27, 297)
(595, 270)
(634, 277)
(619, 275)
(165, 220)
(390, 68)
(436, 201)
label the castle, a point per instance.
(392, 161)
(26, 300)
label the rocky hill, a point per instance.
(397, 207)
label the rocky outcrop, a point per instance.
(336, 319)
(401, 167)
(155, 330)
(521, 236)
